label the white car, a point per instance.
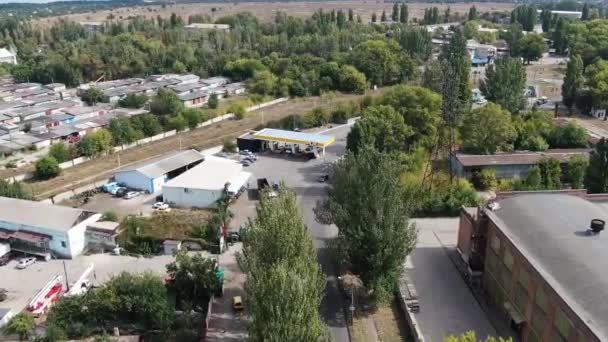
(26, 262)
(161, 206)
(131, 194)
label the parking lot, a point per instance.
(103, 202)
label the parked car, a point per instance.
(237, 303)
(132, 194)
(3, 295)
(245, 152)
(161, 206)
(323, 178)
(121, 192)
(26, 262)
(542, 100)
(245, 162)
(5, 259)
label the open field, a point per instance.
(102, 168)
(265, 11)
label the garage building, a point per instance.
(44, 229)
(203, 185)
(151, 175)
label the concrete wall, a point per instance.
(77, 236)
(194, 198)
(465, 233)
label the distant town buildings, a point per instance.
(195, 27)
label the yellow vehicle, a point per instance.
(237, 303)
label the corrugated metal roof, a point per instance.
(212, 174)
(519, 158)
(55, 217)
(165, 164)
(550, 230)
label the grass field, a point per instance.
(265, 11)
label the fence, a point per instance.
(80, 160)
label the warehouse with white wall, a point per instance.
(44, 229)
(204, 184)
(151, 175)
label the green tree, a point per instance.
(403, 14)
(166, 102)
(177, 122)
(133, 101)
(577, 167)
(238, 109)
(596, 177)
(473, 13)
(378, 60)
(383, 17)
(374, 17)
(572, 135)
(597, 82)
(280, 262)
(61, 152)
(21, 324)
(193, 117)
(487, 130)
(213, 101)
(550, 173)
(351, 80)
(487, 179)
(534, 179)
(420, 108)
(546, 20)
(380, 127)
(14, 189)
(351, 15)
(92, 96)
(513, 36)
(244, 68)
(95, 144)
(433, 76)
(146, 123)
(585, 14)
(447, 15)
(122, 131)
(573, 81)
(559, 36)
(456, 64)
(531, 47)
(382, 217)
(470, 337)
(47, 167)
(505, 83)
(194, 279)
(395, 15)
(110, 215)
(263, 82)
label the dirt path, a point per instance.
(213, 135)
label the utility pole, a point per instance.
(65, 271)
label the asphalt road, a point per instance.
(302, 176)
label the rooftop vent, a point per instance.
(493, 206)
(597, 225)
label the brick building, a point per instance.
(540, 265)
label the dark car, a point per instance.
(323, 178)
(5, 259)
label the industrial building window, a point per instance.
(64, 244)
(508, 259)
(538, 320)
(521, 298)
(541, 299)
(524, 278)
(495, 243)
(562, 323)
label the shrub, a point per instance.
(47, 167)
(60, 152)
(447, 201)
(110, 216)
(229, 147)
(486, 179)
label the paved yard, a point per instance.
(447, 307)
(103, 202)
(22, 285)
